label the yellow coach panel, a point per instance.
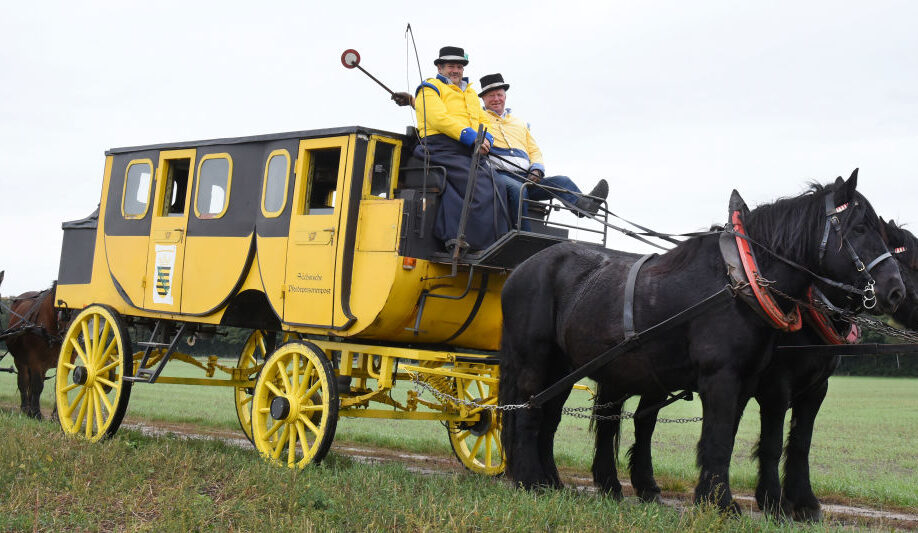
(214, 266)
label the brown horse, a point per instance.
(34, 341)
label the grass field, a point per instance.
(864, 445)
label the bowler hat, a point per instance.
(491, 82)
(452, 54)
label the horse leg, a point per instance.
(799, 499)
(719, 398)
(520, 434)
(641, 460)
(551, 417)
(608, 432)
(37, 385)
(23, 382)
(773, 403)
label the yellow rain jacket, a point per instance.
(513, 142)
(442, 107)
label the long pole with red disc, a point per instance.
(351, 59)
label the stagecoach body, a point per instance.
(320, 243)
(308, 231)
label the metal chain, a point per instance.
(864, 322)
(577, 412)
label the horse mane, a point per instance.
(785, 225)
(677, 258)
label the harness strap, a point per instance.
(877, 261)
(823, 325)
(628, 312)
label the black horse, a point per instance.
(789, 382)
(564, 306)
(800, 384)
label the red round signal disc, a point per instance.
(350, 58)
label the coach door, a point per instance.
(309, 290)
(166, 256)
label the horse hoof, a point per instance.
(650, 497)
(808, 514)
(733, 509)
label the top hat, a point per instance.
(452, 54)
(491, 82)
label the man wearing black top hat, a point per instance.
(516, 158)
(448, 114)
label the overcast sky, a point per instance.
(675, 103)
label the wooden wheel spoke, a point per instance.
(280, 442)
(488, 449)
(271, 387)
(260, 344)
(464, 434)
(282, 372)
(104, 398)
(68, 366)
(311, 408)
(76, 400)
(99, 355)
(247, 400)
(301, 433)
(98, 410)
(307, 375)
(312, 390)
(291, 447)
(90, 404)
(298, 378)
(79, 351)
(110, 366)
(87, 340)
(312, 427)
(481, 392)
(270, 433)
(474, 451)
(70, 387)
(109, 352)
(104, 381)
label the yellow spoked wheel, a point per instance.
(295, 405)
(91, 392)
(477, 443)
(257, 347)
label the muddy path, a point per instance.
(835, 513)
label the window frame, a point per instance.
(371, 161)
(127, 171)
(197, 186)
(264, 183)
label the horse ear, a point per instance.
(851, 184)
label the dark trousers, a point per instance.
(486, 218)
(514, 185)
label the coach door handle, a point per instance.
(314, 237)
(169, 235)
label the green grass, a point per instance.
(863, 450)
(52, 482)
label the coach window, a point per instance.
(322, 177)
(274, 189)
(176, 189)
(136, 194)
(381, 176)
(215, 174)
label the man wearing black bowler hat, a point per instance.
(449, 113)
(519, 159)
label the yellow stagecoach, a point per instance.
(320, 243)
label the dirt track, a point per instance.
(834, 513)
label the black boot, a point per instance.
(591, 205)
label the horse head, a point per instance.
(852, 247)
(904, 247)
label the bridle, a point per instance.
(832, 222)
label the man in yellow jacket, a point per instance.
(449, 113)
(516, 158)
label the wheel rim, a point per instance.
(299, 383)
(477, 443)
(256, 350)
(90, 388)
